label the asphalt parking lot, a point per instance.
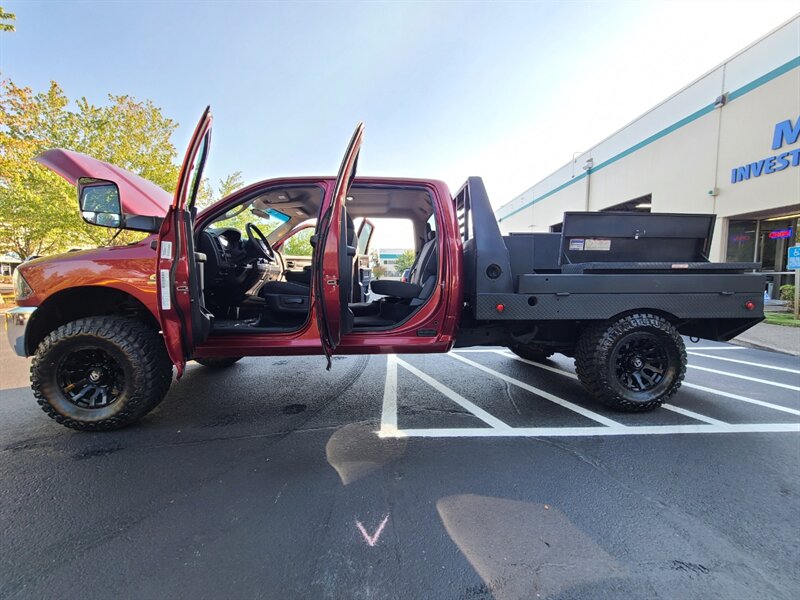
(468, 475)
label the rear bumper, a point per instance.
(17, 320)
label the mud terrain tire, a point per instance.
(122, 362)
(633, 364)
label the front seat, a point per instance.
(421, 280)
(294, 296)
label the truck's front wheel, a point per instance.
(635, 363)
(100, 373)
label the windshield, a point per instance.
(267, 220)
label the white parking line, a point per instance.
(455, 397)
(547, 395)
(718, 348)
(703, 388)
(497, 428)
(687, 384)
(389, 410)
(745, 362)
(746, 378)
(692, 415)
(596, 431)
(671, 407)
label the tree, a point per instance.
(404, 261)
(230, 184)
(299, 244)
(38, 209)
(7, 16)
(378, 271)
(206, 196)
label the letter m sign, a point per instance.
(785, 133)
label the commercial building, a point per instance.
(388, 259)
(8, 264)
(727, 144)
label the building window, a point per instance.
(640, 204)
(741, 241)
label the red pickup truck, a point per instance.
(106, 326)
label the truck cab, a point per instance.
(214, 287)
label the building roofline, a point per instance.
(675, 94)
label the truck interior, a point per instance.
(251, 284)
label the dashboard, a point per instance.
(231, 263)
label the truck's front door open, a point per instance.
(332, 256)
(184, 320)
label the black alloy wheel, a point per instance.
(640, 363)
(90, 377)
(633, 363)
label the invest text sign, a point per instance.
(786, 133)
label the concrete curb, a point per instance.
(757, 346)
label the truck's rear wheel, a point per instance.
(100, 373)
(218, 362)
(532, 352)
(633, 364)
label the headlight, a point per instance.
(21, 288)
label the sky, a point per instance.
(504, 90)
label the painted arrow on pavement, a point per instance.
(372, 539)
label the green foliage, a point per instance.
(7, 16)
(299, 244)
(230, 184)
(378, 271)
(787, 293)
(206, 196)
(404, 261)
(38, 210)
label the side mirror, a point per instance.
(99, 202)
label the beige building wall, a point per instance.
(681, 153)
(748, 125)
(677, 170)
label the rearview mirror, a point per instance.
(99, 202)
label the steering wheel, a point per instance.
(260, 242)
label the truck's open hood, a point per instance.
(137, 195)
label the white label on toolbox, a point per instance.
(576, 244)
(166, 301)
(166, 250)
(592, 244)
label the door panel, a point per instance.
(331, 251)
(185, 322)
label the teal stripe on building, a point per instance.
(755, 84)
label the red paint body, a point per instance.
(132, 269)
(138, 196)
(176, 319)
